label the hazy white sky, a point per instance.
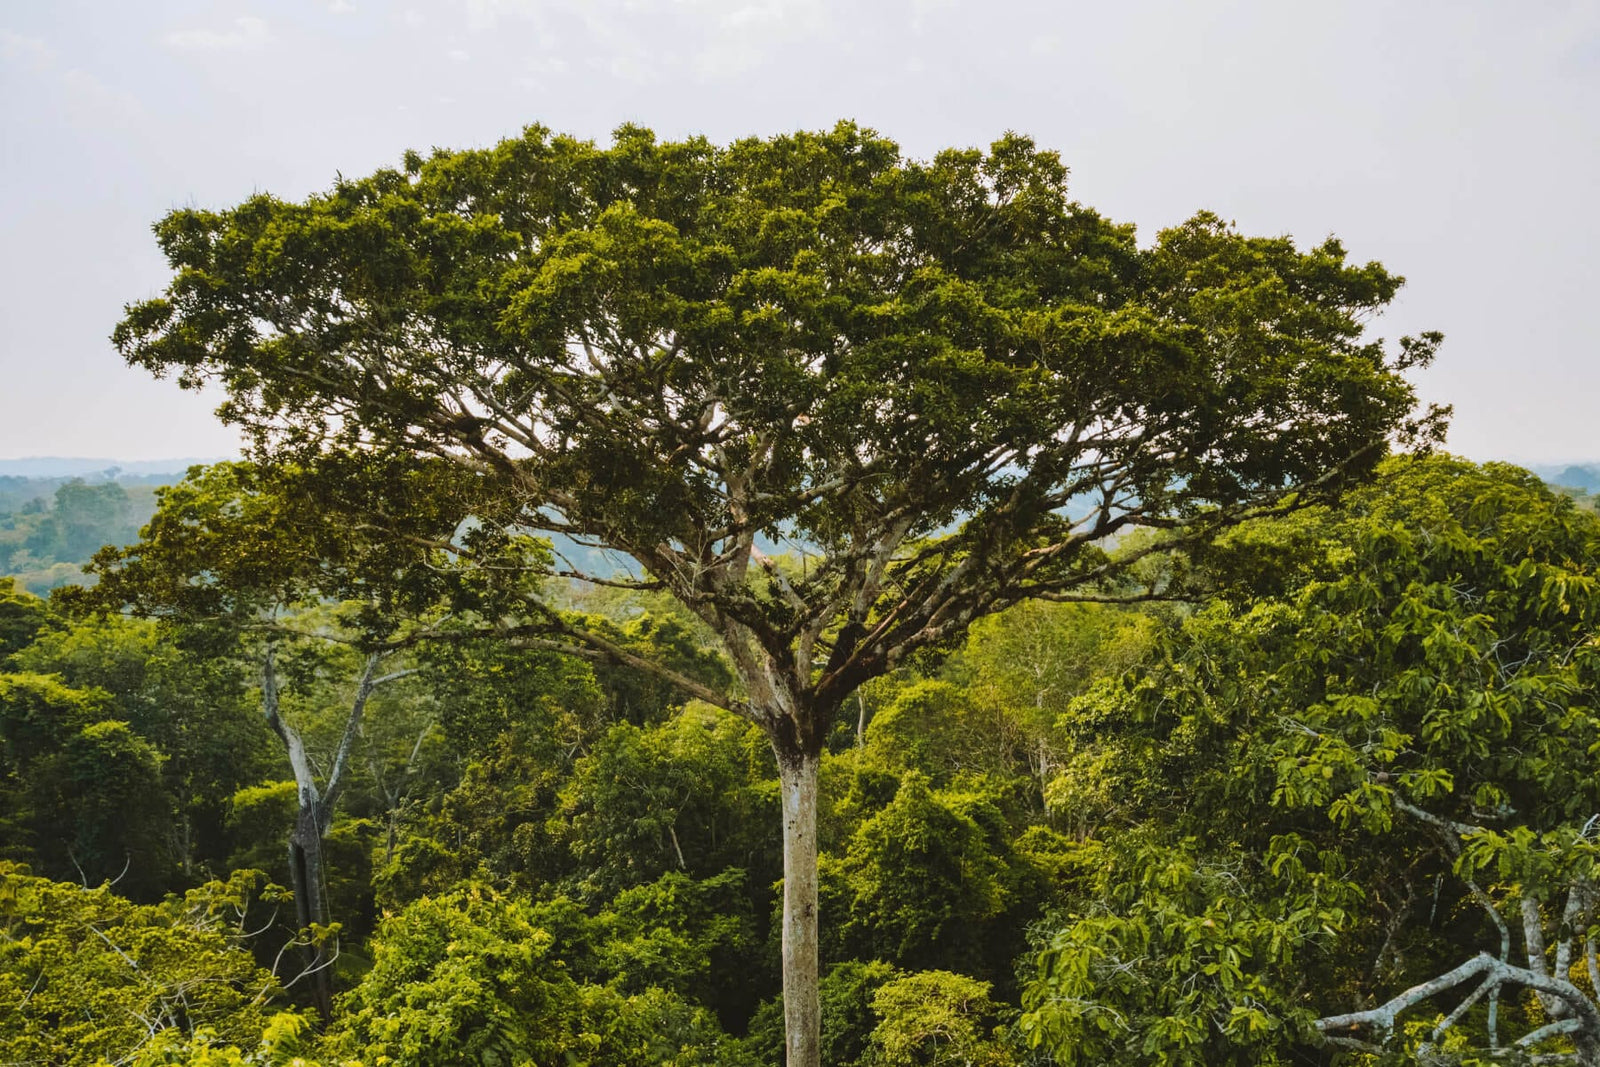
(1458, 141)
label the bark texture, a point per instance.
(802, 1008)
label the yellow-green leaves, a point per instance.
(86, 976)
(1184, 960)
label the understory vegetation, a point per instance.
(1340, 810)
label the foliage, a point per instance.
(785, 282)
(932, 727)
(233, 543)
(694, 793)
(685, 936)
(1401, 715)
(1035, 658)
(111, 781)
(22, 617)
(665, 638)
(937, 1019)
(493, 824)
(847, 1008)
(284, 1042)
(876, 1016)
(471, 977)
(465, 977)
(932, 877)
(1184, 961)
(84, 793)
(193, 709)
(1024, 667)
(87, 976)
(847, 1015)
(484, 689)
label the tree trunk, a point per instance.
(802, 1008)
(315, 812)
(305, 868)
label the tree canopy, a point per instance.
(944, 383)
(671, 348)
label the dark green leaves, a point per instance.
(669, 347)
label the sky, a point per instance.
(1456, 141)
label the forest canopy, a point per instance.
(788, 603)
(947, 385)
(1341, 811)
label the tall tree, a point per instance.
(232, 554)
(945, 380)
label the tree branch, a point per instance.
(1585, 1018)
(621, 655)
(1547, 1031)
(1383, 1017)
(352, 727)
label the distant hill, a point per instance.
(1585, 476)
(83, 467)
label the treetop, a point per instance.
(669, 348)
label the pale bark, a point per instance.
(1591, 960)
(1567, 933)
(305, 838)
(1574, 1012)
(314, 811)
(802, 1007)
(1583, 1017)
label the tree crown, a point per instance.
(672, 349)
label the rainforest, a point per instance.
(786, 601)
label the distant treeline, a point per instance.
(49, 527)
